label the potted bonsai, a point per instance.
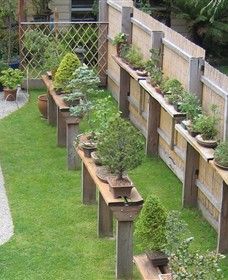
(221, 155)
(121, 149)
(151, 230)
(73, 99)
(64, 73)
(207, 128)
(190, 105)
(10, 79)
(119, 40)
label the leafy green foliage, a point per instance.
(190, 105)
(120, 38)
(65, 71)
(82, 109)
(187, 265)
(207, 125)
(120, 146)
(153, 67)
(172, 86)
(221, 153)
(151, 225)
(41, 6)
(133, 56)
(11, 78)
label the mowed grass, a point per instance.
(55, 235)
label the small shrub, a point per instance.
(120, 146)
(221, 154)
(67, 66)
(120, 38)
(172, 86)
(11, 78)
(151, 225)
(132, 55)
(207, 125)
(190, 105)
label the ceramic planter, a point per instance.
(10, 94)
(206, 143)
(120, 188)
(157, 258)
(42, 105)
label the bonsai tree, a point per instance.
(221, 154)
(153, 68)
(65, 71)
(133, 56)
(191, 106)
(207, 125)
(120, 147)
(119, 40)
(151, 225)
(172, 86)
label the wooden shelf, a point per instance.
(127, 68)
(135, 199)
(57, 98)
(167, 107)
(223, 173)
(206, 153)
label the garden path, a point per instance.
(6, 222)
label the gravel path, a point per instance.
(6, 222)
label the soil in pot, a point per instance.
(206, 143)
(10, 94)
(42, 105)
(120, 188)
(157, 258)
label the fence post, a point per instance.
(103, 41)
(194, 79)
(124, 76)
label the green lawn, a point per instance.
(55, 235)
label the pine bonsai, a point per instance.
(120, 146)
(151, 225)
(67, 66)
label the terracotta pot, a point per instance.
(42, 105)
(120, 188)
(10, 94)
(206, 143)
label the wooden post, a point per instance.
(73, 160)
(61, 129)
(88, 187)
(194, 78)
(124, 250)
(103, 42)
(105, 219)
(223, 222)
(124, 93)
(51, 111)
(156, 43)
(153, 122)
(126, 22)
(190, 191)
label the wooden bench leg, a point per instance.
(124, 250)
(223, 223)
(51, 111)
(105, 219)
(153, 123)
(61, 129)
(190, 191)
(88, 187)
(73, 160)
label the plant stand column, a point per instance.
(223, 222)
(52, 111)
(88, 187)
(124, 93)
(153, 122)
(105, 219)
(61, 128)
(190, 174)
(124, 250)
(72, 127)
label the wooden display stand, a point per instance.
(124, 210)
(67, 126)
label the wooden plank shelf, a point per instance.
(57, 98)
(127, 68)
(167, 107)
(206, 153)
(135, 199)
